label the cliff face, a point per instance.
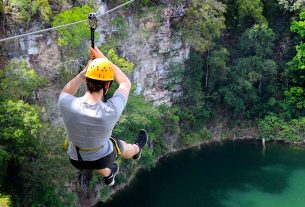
(154, 47)
(151, 44)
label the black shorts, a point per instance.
(101, 163)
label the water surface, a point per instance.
(232, 174)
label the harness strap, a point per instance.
(114, 142)
(116, 146)
(87, 149)
(78, 149)
(78, 154)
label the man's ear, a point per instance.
(107, 86)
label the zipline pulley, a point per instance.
(92, 20)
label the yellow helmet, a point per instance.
(100, 69)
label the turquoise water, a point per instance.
(231, 174)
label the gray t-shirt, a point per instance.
(90, 126)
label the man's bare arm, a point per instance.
(75, 83)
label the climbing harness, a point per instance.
(64, 25)
(116, 146)
(78, 149)
(92, 20)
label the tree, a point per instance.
(204, 21)
(253, 76)
(20, 124)
(22, 11)
(216, 68)
(296, 94)
(252, 9)
(18, 81)
(194, 110)
(259, 41)
(292, 5)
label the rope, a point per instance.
(64, 25)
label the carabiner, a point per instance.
(92, 21)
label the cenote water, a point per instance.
(231, 174)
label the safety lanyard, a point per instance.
(92, 20)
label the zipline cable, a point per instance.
(64, 25)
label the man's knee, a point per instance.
(104, 172)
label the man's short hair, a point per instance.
(95, 85)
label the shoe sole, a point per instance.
(144, 144)
(114, 174)
(145, 134)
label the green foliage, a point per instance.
(253, 76)
(53, 162)
(299, 26)
(5, 201)
(297, 66)
(194, 137)
(20, 126)
(105, 194)
(1, 8)
(43, 7)
(170, 119)
(258, 40)
(253, 9)
(72, 37)
(119, 26)
(203, 22)
(22, 11)
(138, 3)
(295, 95)
(18, 81)
(216, 71)
(292, 5)
(122, 63)
(194, 110)
(138, 114)
(25, 147)
(274, 128)
(148, 159)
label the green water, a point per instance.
(232, 174)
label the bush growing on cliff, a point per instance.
(22, 11)
(273, 127)
(18, 81)
(122, 63)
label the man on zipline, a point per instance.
(89, 121)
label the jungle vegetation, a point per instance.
(247, 65)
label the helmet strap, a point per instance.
(104, 93)
(105, 89)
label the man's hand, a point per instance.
(95, 53)
(83, 72)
